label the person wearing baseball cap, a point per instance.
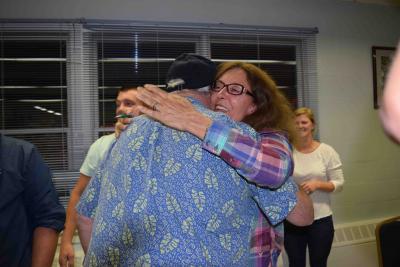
(160, 199)
(187, 71)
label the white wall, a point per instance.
(347, 31)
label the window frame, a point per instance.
(82, 67)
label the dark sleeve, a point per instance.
(40, 195)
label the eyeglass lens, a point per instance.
(233, 88)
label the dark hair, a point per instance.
(273, 109)
(125, 88)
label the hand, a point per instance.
(172, 110)
(309, 186)
(121, 125)
(66, 256)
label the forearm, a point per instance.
(303, 213)
(44, 246)
(197, 124)
(71, 219)
(266, 162)
(326, 186)
(173, 110)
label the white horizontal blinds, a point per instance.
(133, 56)
(64, 182)
(33, 87)
(58, 81)
(134, 53)
(272, 50)
(307, 74)
(49, 93)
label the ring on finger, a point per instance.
(155, 106)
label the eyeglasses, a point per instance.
(232, 88)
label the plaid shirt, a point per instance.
(266, 162)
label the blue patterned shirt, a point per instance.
(162, 200)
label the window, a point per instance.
(279, 61)
(132, 60)
(58, 81)
(34, 94)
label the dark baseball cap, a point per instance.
(195, 72)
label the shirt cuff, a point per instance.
(216, 137)
(337, 186)
(277, 204)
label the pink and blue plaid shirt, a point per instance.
(267, 162)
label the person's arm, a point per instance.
(66, 256)
(266, 162)
(88, 168)
(303, 213)
(390, 106)
(312, 185)
(47, 215)
(44, 246)
(174, 110)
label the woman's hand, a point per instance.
(312, 185)
(309, 186)
(172, 110)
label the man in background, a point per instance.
(125, 104)
(31, 216)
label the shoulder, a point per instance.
(18, 154)
(13, 147)
(10, 142)
(98, 148)
(325, 148)
(329, 154)
(105, 139)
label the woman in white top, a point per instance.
(318, 171)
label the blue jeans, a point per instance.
(318, 237)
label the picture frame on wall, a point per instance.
(381, 60)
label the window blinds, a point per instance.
(59, 79)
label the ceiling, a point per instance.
(378, 2)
